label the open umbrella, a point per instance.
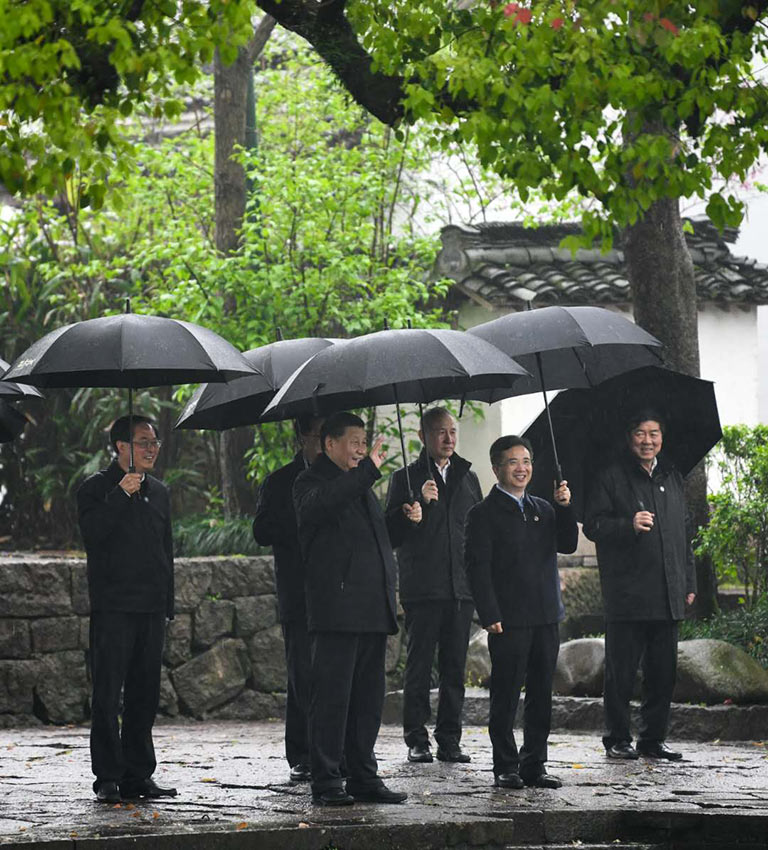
(13, 391)
(569, 347)
(128, 350)
(11, 422)
(390, 367)
(242, 400)
(590, 425)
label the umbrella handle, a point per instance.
(558, 470)
(430, 474)
(131, 466)
(402, 448)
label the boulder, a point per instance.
(478, 670)
(251, 705)
(178, 640)
(254, 613)
(394, 651)
(62, 688)
(81, 601)
(39, 589)
(15, 639)
(52, 634)
(712, 671)
(169, 703)
(213, 618)
(212, 678)
(192, 581)
(17, 686)
(580, 668)
(267, 653)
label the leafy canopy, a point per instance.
(623, 102)
(72, 70)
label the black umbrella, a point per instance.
(12, 391)
(11, 422)
(128, 350)
(590, 423)
(242, 400)
(394, 366)
(569, 347)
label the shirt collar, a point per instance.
(520, 500)
(443, 470)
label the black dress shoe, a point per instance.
(622, 750)
(508, 780)
(543, 780)
(380, 794)
(147, 788)
(333, 797)
(658, 751)
(420, 753)
(301, 773)
(453, 754)
(108, 792)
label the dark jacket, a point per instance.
(430, 555)
(350, 568)
(275, 525)
(512, 559)
(646, 575)
(128, 543)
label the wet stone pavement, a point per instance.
(234, 792)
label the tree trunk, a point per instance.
(230, 120)
(663, 284)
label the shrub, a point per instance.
(746, 627)
(206, 535)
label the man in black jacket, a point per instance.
(512, 543)
(125, 521)
(275, 525)
(637, 516)
(350, 584)
(433, 586)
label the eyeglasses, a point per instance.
(145, 445)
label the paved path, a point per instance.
(232, 779)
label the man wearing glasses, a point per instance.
(125, 520)
(275, 525)
(512, 543)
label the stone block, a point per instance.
(251, 705)
(234, 577)
(35, 589)
(212, 619)
(394, 651)
(15, 640)
(267, 653)
(54, 634)
(81, 602)
(254, 613)
(17, 686)
(85, 633)
(169, 703)
(213, 678)
(192, 582)
(62, 689)
(580, 668)
(712, 671)
(478, 670)
(581, 591)
(178, 640)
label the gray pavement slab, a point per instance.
(234, 792)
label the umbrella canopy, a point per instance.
(128, 350)
(392, 366)
(10, 390)
(11, 422)
(589, 425)
(242, 400)
(576, 346)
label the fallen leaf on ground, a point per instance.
(242, 825)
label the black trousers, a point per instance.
(525, 656)
(441, 625)
(297, 659)
(346, 701)
(652, 644)
(126, 651)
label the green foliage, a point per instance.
(746, 627)
(203, 534)
(736, 538)
(72, 71)
(623, 103)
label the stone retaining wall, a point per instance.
(224, 653)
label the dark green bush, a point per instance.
(206, 535)
(746, 627)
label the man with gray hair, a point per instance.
(433, 586)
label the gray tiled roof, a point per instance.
(502, 264)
